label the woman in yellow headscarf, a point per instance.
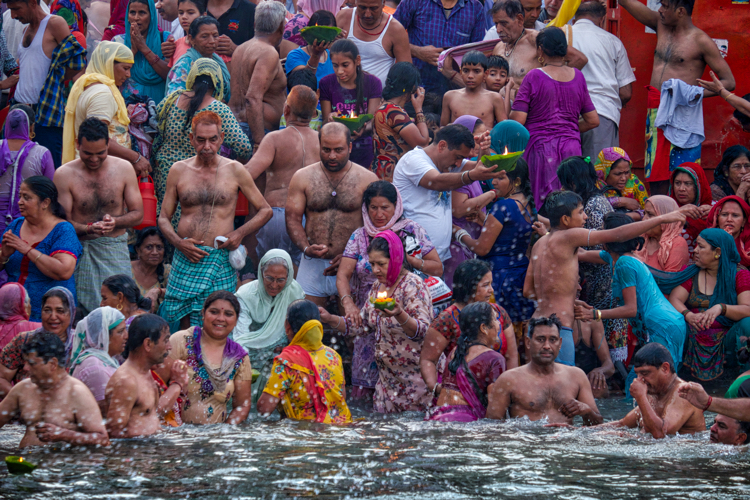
(96, 95)
(307, 378)
(619, 185)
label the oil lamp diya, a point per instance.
(505, 161)
(383, 302)
(17, 465)
(352, 121)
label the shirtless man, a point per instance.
(102, 200)
(132, 394)
(660, 412)
(474, 99)
(280, 155)
(695, 394)
(258, 82)
(543, 388)
(393, 47)
(329, 194)
(682, 52)
(52, 405)
(552, 277)
(206, 186)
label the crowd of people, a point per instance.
(328, 224)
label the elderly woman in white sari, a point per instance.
(263, 305)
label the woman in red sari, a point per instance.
(15, 308)
(731, 214)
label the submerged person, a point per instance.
(664, 248)
(307, 378)
(473, 367)
(52, 405)
(728, 430)
(543, 388)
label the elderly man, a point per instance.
(100, 194)
(550, 10)
(329, 194)
(206, 187)
(682, 53)
(280, 156)
(728, 430)
(531, 13)
(434, 25)
(609, 76)
(258, 82)
(54, 407)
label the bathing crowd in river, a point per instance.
(359, 214)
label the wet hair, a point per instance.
(300, 312)
(676, 4)
(731, 154)
(339, 128)
(124, 284)
(498, 62)
(741, 117)
(558, 204)
(46, 345)
(276, 261)
(222, 295)
(475, 58)
(653, 354)
(578, 175)
(202, 85)
(552, 320)
(303, 76)
(302, 102)
(455, 136)
(521, 172)
(614, 220)
(380, 188)
(269, 17)
(195, 26)
(470, 320)
(403, 78)
(744, 429)
(322, 18)
(144, 326)
(60, 295)
(512, 8)
(199, 4)
(552, 42)
(348, 48)
(141, 237)
(26, 109)
(45, 189)
(591, 9)
(93, 129)
(466, 278)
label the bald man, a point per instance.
(329, 194)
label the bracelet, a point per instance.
(345, 296)
(5, 261)
(405, 322)
(723, 309)
(315, 69)
(177, 384)
(420, 119)
(708, 404)
(685, 313)
(434, 389)
(468, 174)
(38, 257)
(338, 323)
(304, 253)
(137, 159)
(729, 94)
(463, 183)
(422, 266)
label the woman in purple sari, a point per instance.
(548, 103)
(473, 367)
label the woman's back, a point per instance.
(514, 238)
(553, 106)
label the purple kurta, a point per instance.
(553, 109)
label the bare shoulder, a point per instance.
(572, 373)
(67, 170)
(344, 15)
(121, 166)
(302, 175)
(178, 167)
(79, 392)
(59, 27)
(123, 380)
(499, 48)
(233, 165)
(394, 26)
(366, 174)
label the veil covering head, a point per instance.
(91, 337)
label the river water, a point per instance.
(387, 457)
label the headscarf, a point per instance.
(14, 318)
(510, 134)
(142, 72)
(233, 352)
(662, 205)
(468, 121)
(743, 239)
(16, 127)
(266, 313)
(91, 337)
(397, 222)
(72, 308)
(396, 250)
(71, 11)
(702, 194)
(725, 291)
(633, 189)
(100, 70)
(196, 56)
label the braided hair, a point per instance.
(470, 321)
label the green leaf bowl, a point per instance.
(502, 162)
(320, 33)
(353, 124)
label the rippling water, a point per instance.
(387, 457)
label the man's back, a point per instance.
(244, 61)
(133, 400)
(293, 148)
(555, 271)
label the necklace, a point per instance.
(508, 54)
(359, 22)
(333, 188)
(555, 65)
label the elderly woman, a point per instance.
(122, 293)
(664, 249)
(731, 214)
(98, 338)
(473, 283)
(15, 308)
(620, 186)
(97, 94)
(58, 311)
(219, 369)
(203, 36)
(382, 210)
(149, 270)
(474, 365)
(307, 377)
(399, 331)
(731, 174)
(263, 305)
(20, 158)
(689, 186)
(40, 249)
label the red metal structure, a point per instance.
(720, 19)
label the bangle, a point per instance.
(315, 68)
(685, 313)
(463, 183)
(422, 266)
(5, 261)
(468, 174)
(137, 159)
(728, 94)
(420, 118)
(304, 253)
(338, 323)
(723, 309)
(708, 403)
(434, 389)
(38, 257)
(345, 296)
(405, 322)
(177, 384)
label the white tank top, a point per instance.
(375, 60)
(33, 66)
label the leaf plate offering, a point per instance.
(17, 465)
(502, 162)
(355, 123)
(320, 33)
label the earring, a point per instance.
(541, 60)
(119, 307)
(32, 135)
(716, 256)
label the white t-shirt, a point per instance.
(608, 68)
(430, 209)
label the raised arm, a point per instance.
(641, 13)
(482, 245)
(623, 233)
(695, 394)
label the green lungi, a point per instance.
(190, 284)
(101, 258)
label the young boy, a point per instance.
(473, 100)
(552, 276)
(497, 73)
